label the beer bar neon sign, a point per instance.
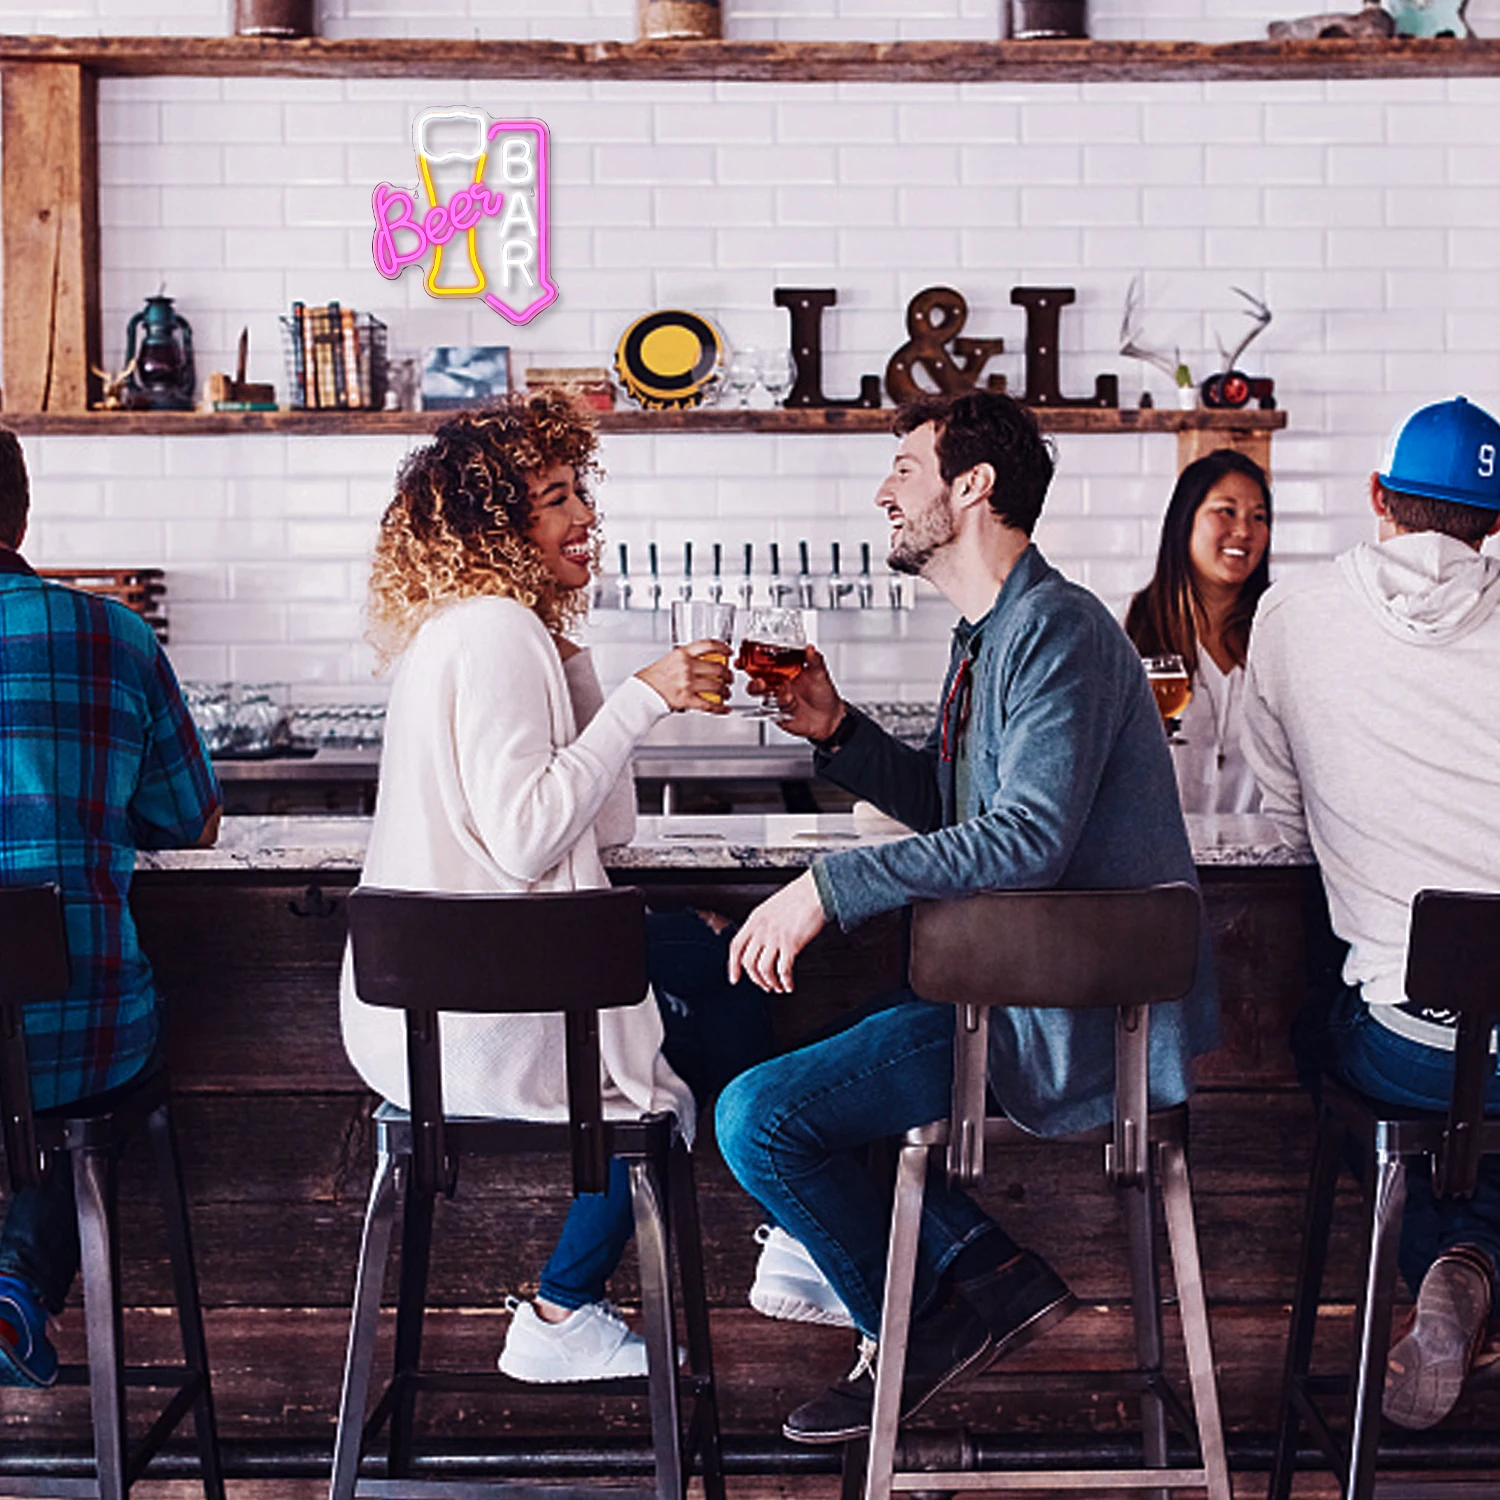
(485, 223)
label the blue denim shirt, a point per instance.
(1070, 784)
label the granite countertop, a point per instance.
(776, 841)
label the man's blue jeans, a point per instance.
(1339, 1034)
(792, 1132)
(714, 1030)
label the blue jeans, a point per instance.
(714, 1030)
(793, 1132)
(1339, 1034)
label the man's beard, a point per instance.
(921, 539)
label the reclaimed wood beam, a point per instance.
(765, 61)
(49, 205)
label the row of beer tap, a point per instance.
(755, 578)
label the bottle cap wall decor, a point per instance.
(669, 358)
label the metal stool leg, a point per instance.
(689, 1238)
(364, 1321)
(189, 1305)
(411, 1310)
(895, 1319)
(94, 1187)
(1387, 1199)
(1137, 1205)
(660, 1328)
(1317, 1225)
(1192, 1303)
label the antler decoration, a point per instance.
(1130, 328)
(1260, 315)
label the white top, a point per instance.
(1213, 775)
(1372, 720)
(488, 783)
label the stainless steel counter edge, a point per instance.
(776, 841)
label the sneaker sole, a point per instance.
(1034, 1327)
(533, 1376)
(787, 1307)
(1426, 1369)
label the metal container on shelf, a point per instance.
(1037, 20)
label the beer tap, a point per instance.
(685, 588)
(805, 595)
(866, 583)
(747, 583)
(778, 589)
(838, 589)
(651, 557)
(622, 579)
(716, 588)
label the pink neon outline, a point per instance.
(380, 200)
(543, 278)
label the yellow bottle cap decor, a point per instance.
(669, 358)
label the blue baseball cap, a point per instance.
(1448, 451)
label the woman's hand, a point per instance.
(692, 676)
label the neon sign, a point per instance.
(485, 223)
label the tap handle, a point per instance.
(775, 560)
(864, 559)
(749, 558)
(624, 560)
(833, 548)
(651, 558)
(802, 558)
(687, 559)
(718, 560)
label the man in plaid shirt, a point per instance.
(98, 758)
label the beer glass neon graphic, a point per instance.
(485, 185)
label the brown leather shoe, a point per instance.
(1429, 1363)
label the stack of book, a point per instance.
(335, 358)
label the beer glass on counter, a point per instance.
(703, 620)
(1168, 676)
(773, 649)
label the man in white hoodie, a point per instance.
(1372, 721)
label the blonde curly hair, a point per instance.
(457, 525)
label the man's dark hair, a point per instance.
(1469, 523)
(15, 490)
(983, 427)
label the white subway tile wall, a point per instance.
(1367, 213)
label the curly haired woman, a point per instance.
(505, 769)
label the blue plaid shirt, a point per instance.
(98, 758)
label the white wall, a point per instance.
(1366, 213)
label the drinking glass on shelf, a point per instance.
(774, 649)
(1168, 675)
(742, 376)
(778, 373)
(703, 620)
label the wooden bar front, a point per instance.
(277, 1140)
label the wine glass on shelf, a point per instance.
(773, 649)
(1168, 676)
(703, 620)
(778, 373)
(741, 376)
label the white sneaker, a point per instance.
(591, 1343)
(789, 1285)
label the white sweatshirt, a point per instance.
(488, 783)
(1372, 720)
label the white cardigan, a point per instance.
(487, 784)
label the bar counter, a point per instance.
(247, 939)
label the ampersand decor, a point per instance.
(805, 305)
(934, 319)
(1044, 305)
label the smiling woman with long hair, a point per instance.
(505, 768)
(1212, 566)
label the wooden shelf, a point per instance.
(761, 61)
(823, 420)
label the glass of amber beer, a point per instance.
(700, 620)
(1168, 675)
(773, 649)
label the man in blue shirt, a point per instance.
(1047, 767)
(98, 758)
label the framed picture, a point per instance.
(456, 375)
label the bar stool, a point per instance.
(33, 940)
(573, 952)
(1123, 950)
(1452, 963)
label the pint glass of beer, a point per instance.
(700, 620)
(1169, 680)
